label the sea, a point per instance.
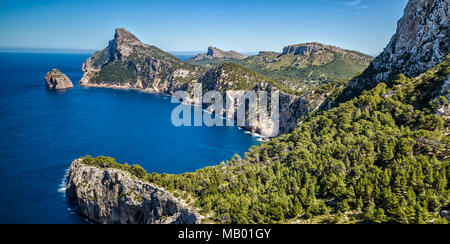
(43, 131)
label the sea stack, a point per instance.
(56, 80)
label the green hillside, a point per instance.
(381, 158)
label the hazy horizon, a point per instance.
(179, 26)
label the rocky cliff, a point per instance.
(321, 53)
(130, 64)
(420, 42)
(56, 80)
(217, 53)
(112, 196)
(233, 77)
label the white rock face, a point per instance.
(420, 43)
(421, 40)
(111, 196)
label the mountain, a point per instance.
(130, 64)
(127, 63)
(299, 67)
(308, 65)
(214, 52)
(233, 77)
(381, 156)
(216, 56)
(420, 42)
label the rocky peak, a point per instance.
(121, 34)
(124, 43)
(420, 42)
(56, 80)
(307, 48)
(214, 52)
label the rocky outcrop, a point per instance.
(233, 77)
(315, 49)
(128, 63)
(217, 53)
(111, 196)
(420, 42)
(56, 80)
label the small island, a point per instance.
(56, 80)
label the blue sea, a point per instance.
(42, 132)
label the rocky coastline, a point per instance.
(112, 196)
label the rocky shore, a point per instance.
(56, 80)
(111, 196)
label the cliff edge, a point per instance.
(112, 196)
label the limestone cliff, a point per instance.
(112, 196)
(320, 53)
(420, 42)
(56, 80)
(130, 64)
(233, 77)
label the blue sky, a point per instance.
(180, 25)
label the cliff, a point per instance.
(128, 63)
(420, 42)
(236, 78)
(56, 80)
(112, 196)
(324, 53)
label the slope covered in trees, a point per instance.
(382, 157)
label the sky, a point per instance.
(179, 25)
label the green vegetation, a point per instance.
(382, 157)
(116, 73)
(242, 78)
(337, 69)
(100, 58)
(209, 63)
(297, 71)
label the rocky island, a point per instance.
(56, 80)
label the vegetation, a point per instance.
(297, 71)
(116, 73)
(242, 78)
(382, 157)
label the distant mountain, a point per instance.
(308, 65)
(215, 56)
(128, 63)
(300, 66)
(214, 52)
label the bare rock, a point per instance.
(56, 80)
(111, 196)
(214, 52)
(420, 43)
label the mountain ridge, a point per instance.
(380, 156)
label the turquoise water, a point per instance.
(42, 132)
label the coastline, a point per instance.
(128, 87)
